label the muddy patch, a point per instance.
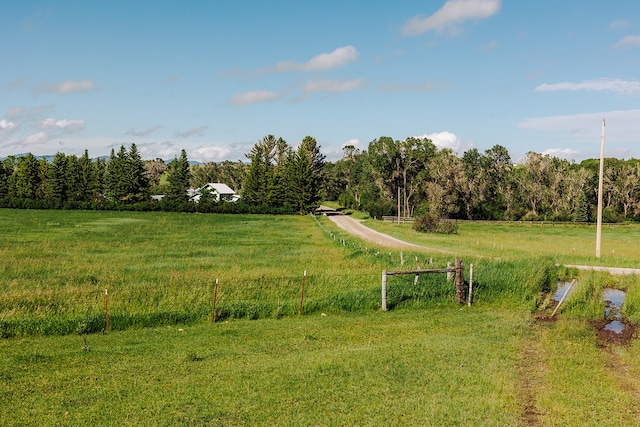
(614, 329)
(607, 336)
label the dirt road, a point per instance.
(354, 227)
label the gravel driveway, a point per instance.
(354, 227)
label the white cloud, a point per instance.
(212, 153)
(628, 41)
(36, 138)
(444, 140)
(334, 153)
(332, 85)
(354, 142)
(199, 131)
(253, 97)
(624, 87)
(622, 126)
(563, 153)
(7, 125)
(69, 126)
(450, 15)
(325, 61)
(66, 87)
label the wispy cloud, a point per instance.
(66, 87)
(36, 138)
(628, 41)
(490, 46)
(199, 131)
(408, 87)
(133, 132)
(316, 86)
(68, 126)
(17, 84)
(253, 97)
(325, 61)
(451, 15)
(619, 25)
(622, 126)
(623, 87)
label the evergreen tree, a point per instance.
(138, 184)
(306, 176)
(27, 177)
(582, 208)
(179, 178)
(279, 179)
(57, 177)
(10, 167)
(86, 178)
(259, 176)
(98, 173)
(74, 181)
(4, 180)
(115, 177)
(43, 182)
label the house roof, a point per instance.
(218, 188)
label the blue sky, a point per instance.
(214, 77)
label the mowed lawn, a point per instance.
(343, 362)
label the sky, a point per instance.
(215, 77)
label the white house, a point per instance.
(217, 190)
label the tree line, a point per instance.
(410, 177)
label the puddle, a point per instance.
(613, 300)
(615, 326)
(562, 288)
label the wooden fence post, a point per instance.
(384, 290)
(106, 313)
(449, 274)
(470, 285)
(215, 301)
(460, 297)
(304, 279)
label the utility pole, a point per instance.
(398, 204)
(599, 226)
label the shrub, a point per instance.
(429, 223)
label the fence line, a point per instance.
(459, 280)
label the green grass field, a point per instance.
(569, 244)
(428, 361)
